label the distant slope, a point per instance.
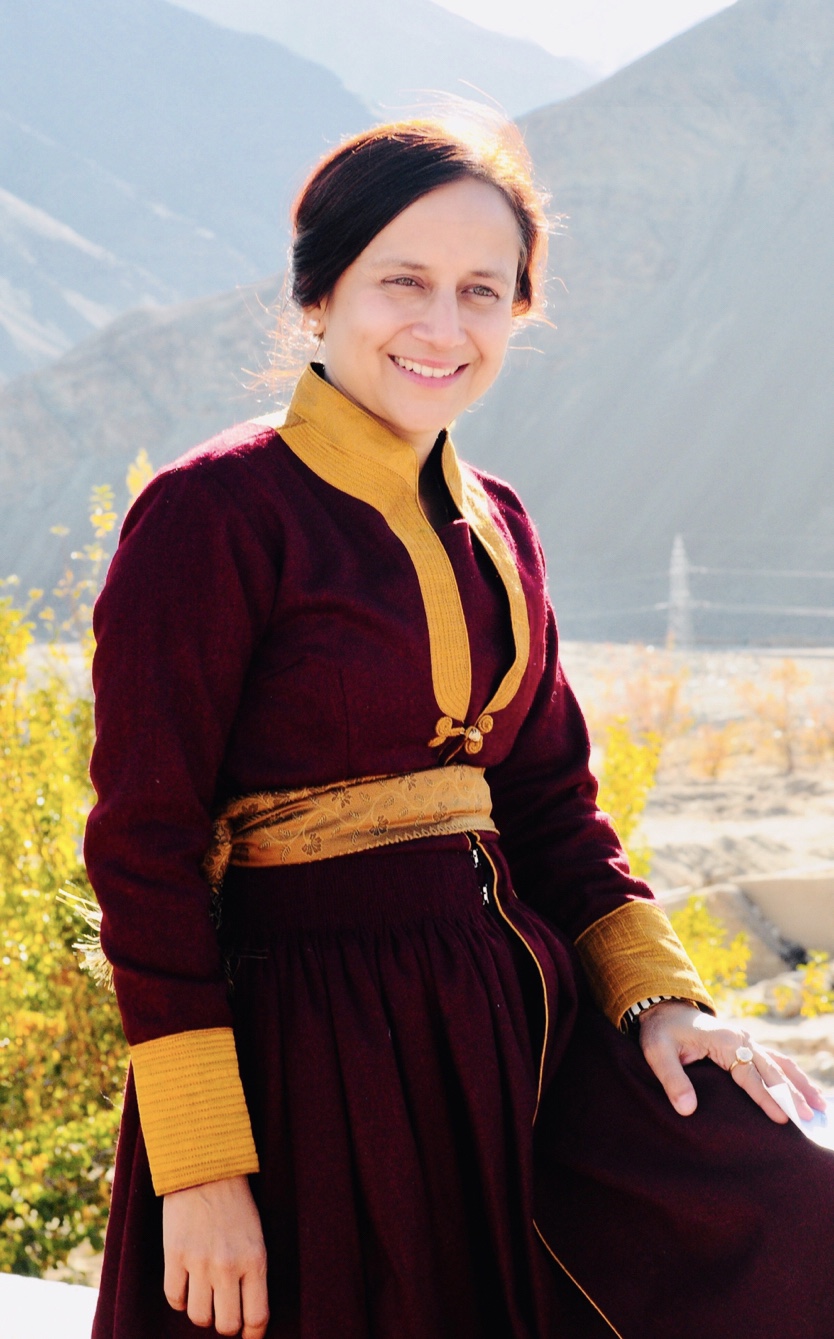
(145, 156)
(688, 386)
(162, 380)
(386, 51)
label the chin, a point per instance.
(432, 429)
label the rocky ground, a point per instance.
(754, 822)
(753, 817)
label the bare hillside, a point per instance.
(686, 386)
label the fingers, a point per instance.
(215, 1258)
(241, 1298)
(227, 1308)
(222, 1296)
(175, 1283)
(806, 1094)
(771, 1068)
(752, 1075)
(673, 1036)
(663, 1059)
(231, 1303)
(255, 1303)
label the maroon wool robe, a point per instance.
(261, 628)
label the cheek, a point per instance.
(368, 331)
(494, 338)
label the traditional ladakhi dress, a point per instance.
(406, 1047)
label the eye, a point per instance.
(403, 281)
(482, 291)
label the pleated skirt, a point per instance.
(454, 1144)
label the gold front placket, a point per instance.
(355, 453)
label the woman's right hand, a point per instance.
(215, 1258)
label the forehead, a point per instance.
(467, 220)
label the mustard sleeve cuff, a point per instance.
(633, 953)
(192, 1109)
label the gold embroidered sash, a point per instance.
(291, 827)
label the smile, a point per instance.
(421, 370)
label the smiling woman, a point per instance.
(416, 283)
(417, 340)
(407, 1039)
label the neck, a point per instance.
(421, 444)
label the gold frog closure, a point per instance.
(472, 735)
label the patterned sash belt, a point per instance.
(291, 827)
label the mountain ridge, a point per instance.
(686, 385)
(113, 124)
(689, 387)
(389, 53)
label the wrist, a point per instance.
(223, 1185)
(653, 1004)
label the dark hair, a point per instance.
(366, 182)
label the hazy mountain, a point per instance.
(688, 385)
(388, 50)
(161, 380)
(145, 156)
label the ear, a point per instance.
(313, 318)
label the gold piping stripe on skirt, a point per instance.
(291, 827)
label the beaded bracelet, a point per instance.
(631, 1015)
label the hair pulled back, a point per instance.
(367, 181)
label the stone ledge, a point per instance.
(798, 902)
(36, 1309)
(771, 950)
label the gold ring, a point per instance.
(744, 1056)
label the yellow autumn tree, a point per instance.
(629, 770)
(62, 1053)
(721, 960)
(61, 1049)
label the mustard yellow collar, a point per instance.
(354, 452)
(346, 424)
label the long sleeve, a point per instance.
(567, 861)
(186, 599)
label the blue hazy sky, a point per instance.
(604, 34)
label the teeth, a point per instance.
(422, 371)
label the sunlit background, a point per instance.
(669, 425)
(602, 34)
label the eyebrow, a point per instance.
(398, 263)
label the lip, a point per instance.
(431, 382)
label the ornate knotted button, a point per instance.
(472, 736)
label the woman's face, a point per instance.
(417, 327)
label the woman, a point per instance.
(325, 655)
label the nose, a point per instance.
(440, 323)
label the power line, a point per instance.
(610, 613)
(760, 572)
(681, 604)
(608, 582)
(797, 611)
